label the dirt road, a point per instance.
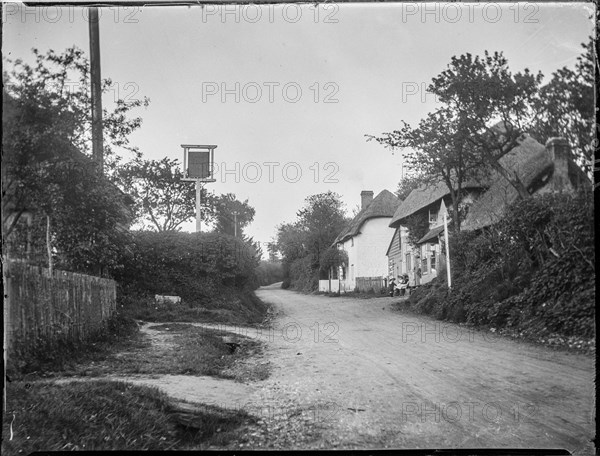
(373, 377)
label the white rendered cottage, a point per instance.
(365, 241)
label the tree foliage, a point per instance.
(269, 272)
(60, 83)
(532, 274)
(303, 243)
(565, 107)
(438, 150)
(418, 226)
(45, 170)
(333, 258)
(409, 183)
(162, 199)
(195, 266)
(492, 106)
(230, 215)
(485, 110)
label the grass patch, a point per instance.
(105, 415)
(243, 308)
(183, 350)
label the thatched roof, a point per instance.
(531, 162)
(383, 205)
(425, 195)
(431, 234)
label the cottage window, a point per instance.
(433, 216)
(408, 265)
(424, 269)
(433, 260)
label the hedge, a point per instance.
(532, 274)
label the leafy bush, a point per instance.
(269, 272)
(304, 274)
(532, 273)
(195, 266)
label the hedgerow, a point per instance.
(532, 274)
(195, 266)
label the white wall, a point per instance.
(324, 285)
(351, 248)
(373, 241)
(366, 252)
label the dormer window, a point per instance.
(433, 215)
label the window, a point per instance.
(433, 216)
(408, 265)
(424, 265)
(433, 259)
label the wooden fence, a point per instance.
(41, 307)
(365, 284)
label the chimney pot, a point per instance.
(560, 153)
(366, 196)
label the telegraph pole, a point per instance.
(96, 80)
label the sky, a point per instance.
(288, 92)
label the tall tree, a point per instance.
(322, 218)
(45, 172)
(437, 149)
(60, 82)
(304, 244)
(565, 107)
(291, 241)
(162, 199)
(230, 215)
(492, 106)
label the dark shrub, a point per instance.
(533, 272)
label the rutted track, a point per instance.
(400, 380)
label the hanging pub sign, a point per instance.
(198, 162)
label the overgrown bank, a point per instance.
(214, 275)
(107, 415)
(531, 276)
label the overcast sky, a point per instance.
(288, 93)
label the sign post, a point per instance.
(447, 252)
(198, 161)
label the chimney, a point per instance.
(366, 196)
(560, 153)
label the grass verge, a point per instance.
(106, 415)
(243, 308)
(182, 349)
